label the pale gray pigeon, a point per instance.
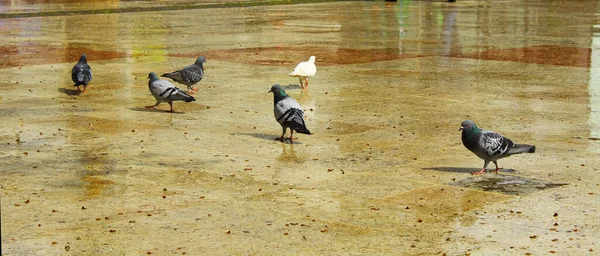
(489, 145)
(288, 113)
(304, 70)
(189, 75)
(81, 74)
(164, 91)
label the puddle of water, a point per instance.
(291, 55)
(541, 54)
(26, 55)
(505, 184)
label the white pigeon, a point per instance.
(304, 70)
(164, 91)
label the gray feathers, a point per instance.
(488, 145)
(288, 112)
(189, 75)
(164, 91)
(81, 74)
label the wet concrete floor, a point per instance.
(384, 172)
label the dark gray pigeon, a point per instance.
(81, 74)
(489, 145)
(164, 91)
(189, 75)
(288, 112)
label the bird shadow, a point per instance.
(155, 110)
(461, 169)
(291, 87)
(70, 92)
(265, 136)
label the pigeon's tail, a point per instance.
(189, 98)
(521, 148)
(303, 130)
(173, 75)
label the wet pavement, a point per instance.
(384, 171)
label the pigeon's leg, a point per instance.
(84, 89)
(191, 90)
(497, 169)
(282, 135)
(305, 82)
(171, 104)
(195, 89)
(482, 171)
(78, 89)
(291, 136)
(301, 84)
(153, 106)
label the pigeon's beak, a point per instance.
(461, 128)
(269, 91)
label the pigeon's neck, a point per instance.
(470, 134)
(279, 96)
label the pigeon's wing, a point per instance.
(175, 94)
(304, 69)
(494, 144)
(299, 70)
(289, 114)
(283, 108)
(74, 74)
(81, 73)
(158, 88)
(87, 73)
(192, 74)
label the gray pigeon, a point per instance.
(189, 75)
(288, 112)
(81, 74)
(164, 91)
(489, 145)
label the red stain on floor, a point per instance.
(27, 55)
(541, 54)
(291, 55)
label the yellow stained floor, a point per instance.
(384, 171)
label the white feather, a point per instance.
(305, 69)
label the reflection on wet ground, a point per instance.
(383, 173)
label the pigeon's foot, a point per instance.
(153, 107)
(191, 92)
(195, 89)
(292, 138)
(282, 139)
(497, 169)
(78, 89)
(482, 171)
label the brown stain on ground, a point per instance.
(27, 55)
(96, 185)
(541, 54)
(437, 203)
(291, 55)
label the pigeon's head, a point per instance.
(83, 58)
(278, 92)
(276, 89)
(152, 76)
(468, 126)
(200, 60)
(311, 59)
